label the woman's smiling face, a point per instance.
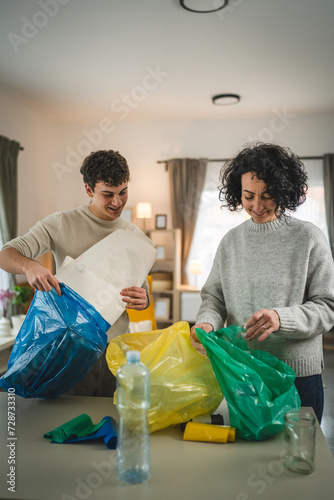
(255, 200)
(107, 202)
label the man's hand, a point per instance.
(41, 278)
(37, 275)
(262, 324)
(135, 298)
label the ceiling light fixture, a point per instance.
(219, 4)
(225, 99)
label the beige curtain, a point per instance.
(186, 180)
(329, 196)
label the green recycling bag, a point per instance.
(258, 388)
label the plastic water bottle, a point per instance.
(133, 457)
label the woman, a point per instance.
(274, 273)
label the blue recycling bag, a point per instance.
(60, 340)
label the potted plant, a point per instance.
(21, 297)
(5, 299)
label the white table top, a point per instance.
(181, 470)
(6, 342)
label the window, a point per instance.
(214, 222)
(4, 281)
(313, 209)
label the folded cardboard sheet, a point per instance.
(122, 259)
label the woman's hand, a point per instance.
(135, 298)
(207, 327)
(262, 324)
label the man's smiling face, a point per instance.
(107, 202)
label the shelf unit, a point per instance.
(165, 291)
(190, 301)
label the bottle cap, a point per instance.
(133, 356)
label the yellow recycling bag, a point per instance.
(182, 382)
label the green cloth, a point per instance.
(77, 427)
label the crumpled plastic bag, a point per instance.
(81, 428)
(59, 341)
(182, 382)
(258, 388)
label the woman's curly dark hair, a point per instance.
(281, 170)
(106, 166)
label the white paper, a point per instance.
(122, 259)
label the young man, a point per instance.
(106, 176)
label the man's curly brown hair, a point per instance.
(105, 166)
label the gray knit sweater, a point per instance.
(285, 265)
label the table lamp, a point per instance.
(144, 211)
(195, 268)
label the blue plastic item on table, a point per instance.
(81, 428)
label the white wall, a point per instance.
(49, 177)
(39, 137)
(143, 143)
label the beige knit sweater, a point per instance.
(72, 233)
